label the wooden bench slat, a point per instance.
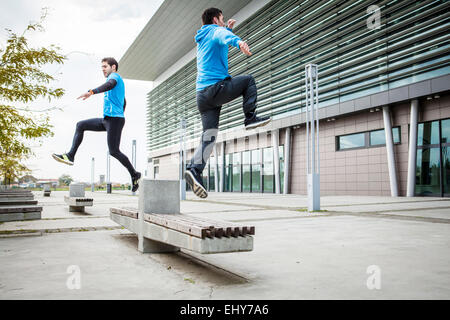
(196, 226)
(173, 223)
(129, 212)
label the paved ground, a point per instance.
(399, 247)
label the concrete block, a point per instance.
(159, 196)
(20, 216)
(76, 189)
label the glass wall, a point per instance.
(228, 172)
(256, 170)
(205, 175)
(246, 172)
(281, 155)
(212, 174)
(268, 171)
(445, 144)
(433, 158)
(237, 172)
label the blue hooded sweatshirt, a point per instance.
(212, 54)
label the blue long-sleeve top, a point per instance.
(212, 54)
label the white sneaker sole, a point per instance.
(197, 188)
(62, 160)
(258, 124)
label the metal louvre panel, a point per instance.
(287, 34)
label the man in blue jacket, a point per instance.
(216, 87)
(112, 122)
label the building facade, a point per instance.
(382, 64)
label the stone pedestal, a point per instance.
(157, 196)
(76, 190)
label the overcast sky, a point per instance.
(86, 31)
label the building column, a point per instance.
(216, 169)
(390, 151)
(411, 184)
(287, 158)
(276, 159)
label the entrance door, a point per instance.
(433, 159)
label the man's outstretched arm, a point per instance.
(227, 37)
(108, 85)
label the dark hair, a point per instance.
(209, 14)
(111, 61)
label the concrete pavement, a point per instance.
(356, 248)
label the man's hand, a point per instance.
(85, 95)
(230, 23)
(244, 48)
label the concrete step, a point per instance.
(19, 209)
(15, 202)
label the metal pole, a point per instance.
(222, 171)
(108, 172)
(216, 169)
(133, 155)
(412, 148)
(312, 136)
(92, 175)
(182, 160)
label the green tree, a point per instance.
(22, 81)
(65, 180)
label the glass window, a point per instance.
(428, 181)
(237, 172)
(445, 131)
(228, 170)
(156, 172)
(281, 152)
(268, 170)
(351, 141)
(446, 169)
(378, 137)
(205, 175)
(256, 170)
(246, 172)
(212, 174)
(428, 133)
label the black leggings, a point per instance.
(113, 126)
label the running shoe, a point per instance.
(64, 158)
(135, 181)
(196, 182)
(255, 122)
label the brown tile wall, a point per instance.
(362, 171)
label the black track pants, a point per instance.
(113, 127)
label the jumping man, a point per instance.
(112, 122)
(216, 87)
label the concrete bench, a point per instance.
(19, 213)
(76, 199)
(13, 195)
(161, 227)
